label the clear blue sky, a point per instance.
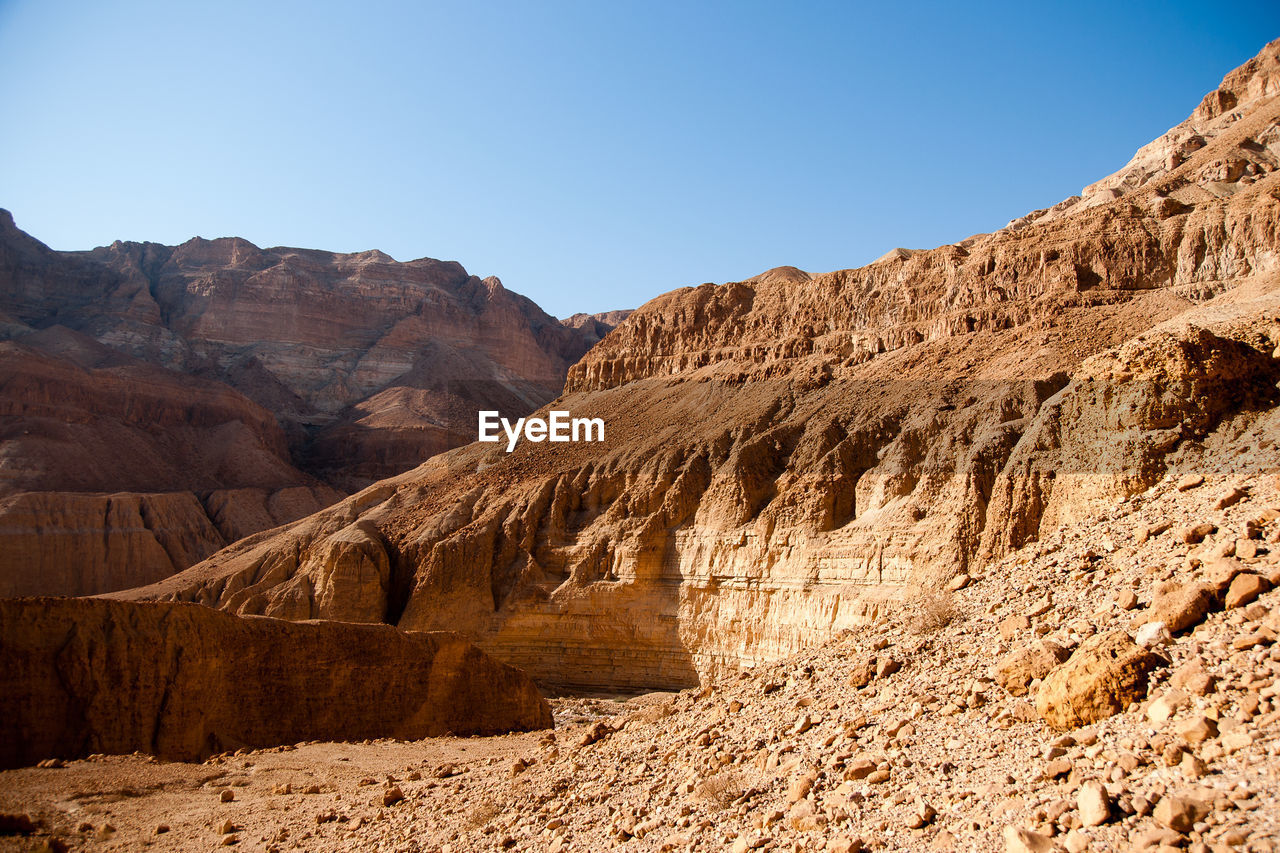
(592, 154)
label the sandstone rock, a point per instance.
(1093, 804)
(1017, 670)
(165, 374)
(1180, 813)
(793, 452)
(1104, 675)
(1190, 481)
(1182, 607)
(184, 681)
(1244, 589)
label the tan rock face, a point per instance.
(1103, 676)
(181, 682)
(787, 457)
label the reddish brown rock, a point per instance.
(1102, 677)
(182, 681)
(172, 377)
(1245, 588)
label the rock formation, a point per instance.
(180, 682)
(788, 456)
(157, 402)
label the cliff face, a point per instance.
(157, 402)
(789, 456)
(182, 682)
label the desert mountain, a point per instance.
(158, 403)
(793, 455)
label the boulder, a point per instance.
(1019, 668)
(1106, 674)
(1181, 607)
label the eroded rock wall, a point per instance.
(82, 676)
(790, 455)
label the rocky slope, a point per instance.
(183, 682)
(789, 456)
(158, 403)
(923, 731)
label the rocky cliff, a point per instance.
(181, 682)
(792, 455)
(158, 402)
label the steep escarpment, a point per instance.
(114, 472)
(789, 456)
(181, 682)
(158, 402)
(343, 349)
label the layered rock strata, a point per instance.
(159, 402)
(790, 455)
(180, 682)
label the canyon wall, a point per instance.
(159, 402)
(180, 682)
(789, 456)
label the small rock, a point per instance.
(1235, 741)
(1179, 813)
(1189, 482)
(227, 795)
(1093, 804)
(1231, 497)
(845, 844)
(1018, 840)
(799, 788)
(1196, 533)
(1192, 767)
(1013, 626)
(1161, 710)
(859, 768)
(1244, 589)
(392, 795)
(1196, 728)
(1153, 635)
(1181, 607)
(886, 666)
(922, 816)
(1127, 599)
